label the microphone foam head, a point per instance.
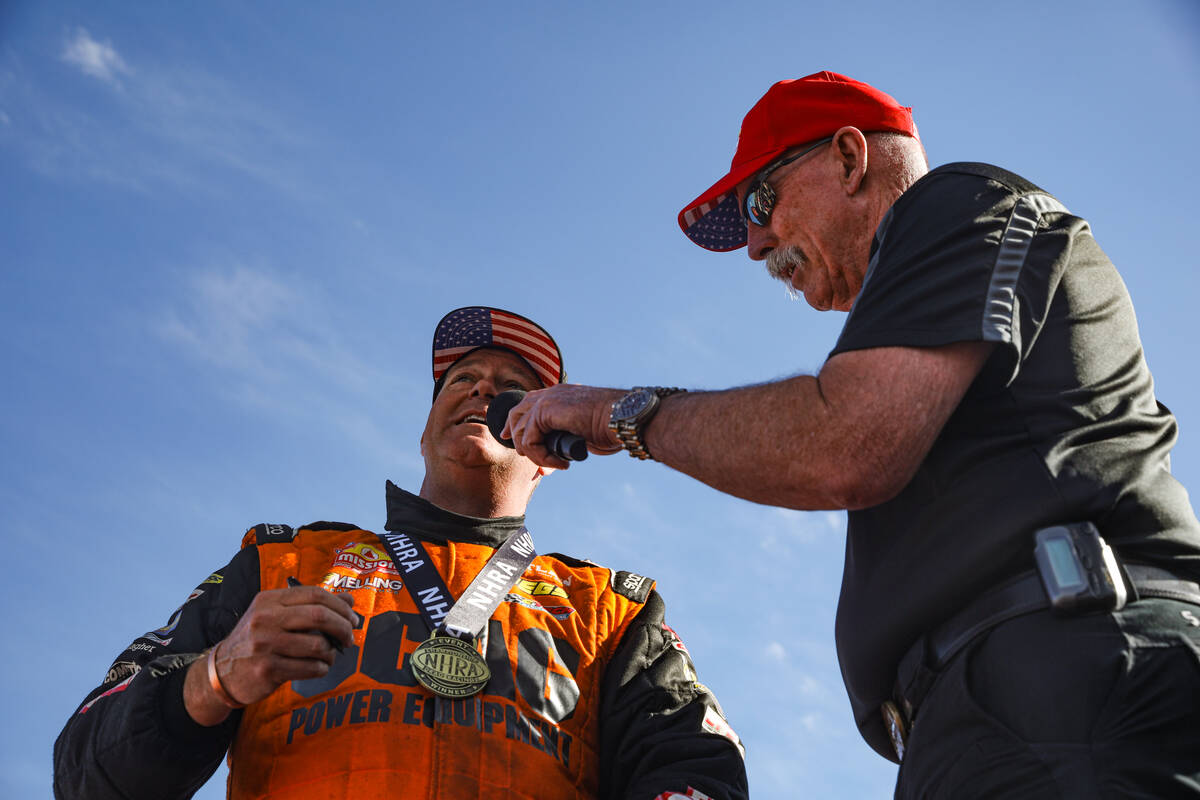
(497, 413)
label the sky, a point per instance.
(229, 230)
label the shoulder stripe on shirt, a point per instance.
(1010, 259)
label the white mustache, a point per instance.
(782, 263)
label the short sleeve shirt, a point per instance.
(1061, 425)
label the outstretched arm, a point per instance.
(849, 437)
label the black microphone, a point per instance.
(566, 446)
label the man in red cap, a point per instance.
(442, 657)
(1020, 614)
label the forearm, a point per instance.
(199, 699)
(773, 443)
(851, 437)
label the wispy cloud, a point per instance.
(251, 321)
(271, 340)
(171, 125)
(95, 58)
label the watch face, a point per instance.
(632, 404)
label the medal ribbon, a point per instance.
(466, 618)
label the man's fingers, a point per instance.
(299, 595)
(304, 646)
(527, 428)
(341, 604)
(298, 609)
(256, 677)
(313, 618)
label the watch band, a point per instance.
(628, 429)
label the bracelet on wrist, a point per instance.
(214, 680)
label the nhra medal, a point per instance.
(449, 667)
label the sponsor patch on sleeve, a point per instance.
(673, 639)
(690, 794)
(715, 723)
(163, 635)
(267, 533)
(121, 670)
(629, 584)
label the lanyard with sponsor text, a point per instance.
(466, 618)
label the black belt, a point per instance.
(1023, 595)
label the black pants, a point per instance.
(1098, 706)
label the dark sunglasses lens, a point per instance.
(759, 202)
(748, 208)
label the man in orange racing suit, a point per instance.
(306, 657)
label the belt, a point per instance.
(1022, 595)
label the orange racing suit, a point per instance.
(591, 694)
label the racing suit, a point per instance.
(591, 694)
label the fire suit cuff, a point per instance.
(177, 723)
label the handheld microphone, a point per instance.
(566, 446)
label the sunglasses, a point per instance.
(760, 197)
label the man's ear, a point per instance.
(850, 144)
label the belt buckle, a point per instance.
(896, 726)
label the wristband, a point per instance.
(214, 680)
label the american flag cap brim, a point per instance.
(713, 220)
(465, 330)
(790, 114)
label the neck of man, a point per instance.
(491, 491)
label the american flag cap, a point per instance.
(467, 329)
(790, 114)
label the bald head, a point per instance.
(896, 162)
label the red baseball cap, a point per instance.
(791, 113)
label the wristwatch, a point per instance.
(631, 413)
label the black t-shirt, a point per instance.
(1061, 425)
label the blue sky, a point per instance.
(228, 231)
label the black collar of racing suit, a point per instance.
(416, 516)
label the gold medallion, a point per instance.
(449, 667)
